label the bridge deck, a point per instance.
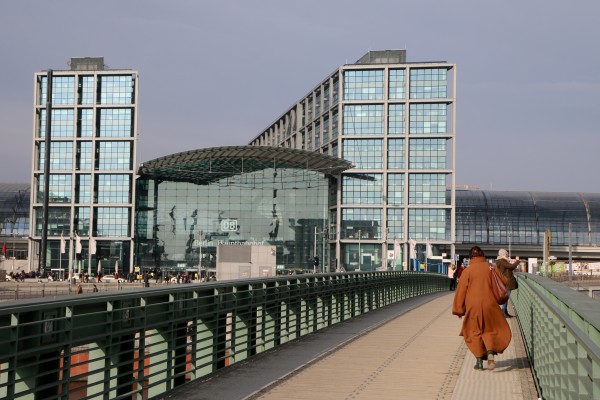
(409, 350)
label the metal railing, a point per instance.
(140, 344)
(561, 328)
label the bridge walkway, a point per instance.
(409, 350)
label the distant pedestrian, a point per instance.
(79, 289)
(506, 268)
(452, 276)
(484, 329)
(95, 289)
(146, 278)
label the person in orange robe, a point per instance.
(484, 327)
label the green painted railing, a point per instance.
(561, 328)
(140, 344)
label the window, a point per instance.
(363, 119)
(432, 224)
(115, 89)
(60, 188)
(111, 221)
(60, 126)
(427, 189)
(113, 188)
(396, 154)
(396, 119)
(395, 188)
(61, 155)
(84, 156)
(363, 85)
(428, 83)
(83, 188)
(364, 153)
(395, 224)
(85, 122)
(86, 90)
(365, 190)
(427, 154)
(115, 122)
(428, 118)
(397, 84)
(114, 156)
(363, 223)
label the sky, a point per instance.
(217, 73)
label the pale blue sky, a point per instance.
(215, 73)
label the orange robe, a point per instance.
(484, 325)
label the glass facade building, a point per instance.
(14, 219)
(93, 129)
(518, 220)
(395, 121)
(190, 203)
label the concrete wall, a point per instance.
(241, 261)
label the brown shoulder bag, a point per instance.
(499, 289)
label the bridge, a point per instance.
(352, 335)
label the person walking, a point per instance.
(484, 329)
(507, 269)
(452, 276)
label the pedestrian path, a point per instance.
(406, 351)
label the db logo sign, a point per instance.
(229, 225)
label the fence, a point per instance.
(561, 328)
(140, 344)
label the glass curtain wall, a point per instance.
(179, 224)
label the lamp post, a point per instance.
(13, 252)
(359, 252)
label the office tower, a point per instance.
(395, 120)
(91, 188)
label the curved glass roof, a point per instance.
(494, 217)
(205, 166)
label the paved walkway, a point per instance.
(407, 351)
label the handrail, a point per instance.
(561, 328)
(142, 343)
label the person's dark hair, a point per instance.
(476, 252)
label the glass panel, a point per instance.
(395, 189)
(85, 122)
(86, 90)
(84, 156)
(83, 188)
(61, 155)
(428, 118)
(427, 154)
(60, 188)
(427, 189)
(363, 223)
(363, 85)
(363, 119)
(114, 156)
(115, 122)
(364, 153)
(364, 190)
(396, 154)
(397, 84)
(428, 83)
(395, 224)
(429, 223)
(61, 125)
(115, 89)
(59, 221)
(113, 188)
(111, 222)
(396, 119)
